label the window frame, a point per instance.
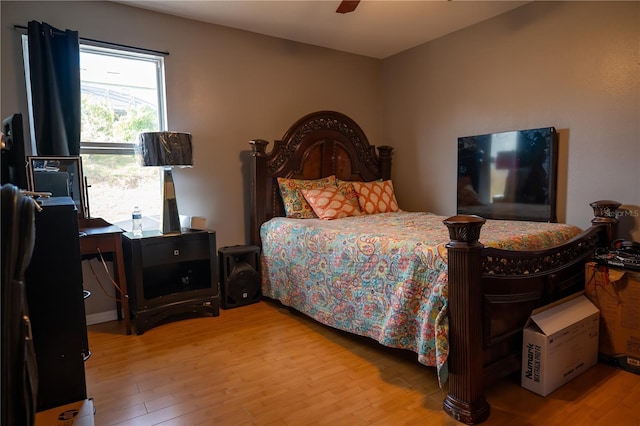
(127, 148)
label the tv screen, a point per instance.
(509, 175)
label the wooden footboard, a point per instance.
(492, 293)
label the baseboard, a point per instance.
(101, 317)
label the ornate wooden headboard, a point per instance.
(319, 144)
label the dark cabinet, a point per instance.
(53, 283)
(170, 274)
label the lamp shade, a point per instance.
(164, 149)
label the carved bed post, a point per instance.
(384, 153)
(259, 202)
(465, 401)
(606, 212)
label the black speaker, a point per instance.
(53, 283)
(239, 275)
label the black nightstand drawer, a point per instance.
(164, 250)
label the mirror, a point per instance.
(59, 175)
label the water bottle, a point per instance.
(136, 222)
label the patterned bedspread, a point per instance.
(383, 276)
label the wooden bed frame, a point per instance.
(491, 292)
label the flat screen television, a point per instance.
(509, 175)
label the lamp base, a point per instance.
(170, 217)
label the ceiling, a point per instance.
(377, 28)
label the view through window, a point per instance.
(122, 95)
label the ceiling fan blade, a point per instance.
(347, 6)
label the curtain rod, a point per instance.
(108, 43)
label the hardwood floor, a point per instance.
(262, 364)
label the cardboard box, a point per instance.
(75, 414)
(616, 292)
(560, 341)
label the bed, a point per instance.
(412, 280)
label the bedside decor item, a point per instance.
(167, 150)
(136, 222)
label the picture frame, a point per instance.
(60, 176)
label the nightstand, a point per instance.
(169, 275)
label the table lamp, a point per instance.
(167, 150)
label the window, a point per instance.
(122, 94)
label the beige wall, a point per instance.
(571, 65)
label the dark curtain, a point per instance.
(54, 65)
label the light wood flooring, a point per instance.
(262, 364)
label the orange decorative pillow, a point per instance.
(295, 205)
(376, 197)
(330, 203)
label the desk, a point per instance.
(99, 236)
